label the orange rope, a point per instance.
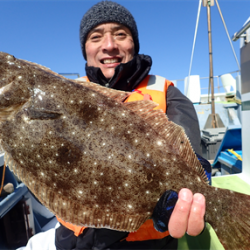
(2, 183)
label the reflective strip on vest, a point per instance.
(156, 83)
(156, 87)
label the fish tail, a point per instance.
(228, 212)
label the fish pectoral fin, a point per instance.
(36, 114)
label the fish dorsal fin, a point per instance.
(174, 133)
(117, 95)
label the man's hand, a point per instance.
(188, 214)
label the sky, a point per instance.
(47, 32)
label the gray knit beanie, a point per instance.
(103, 12)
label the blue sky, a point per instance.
(47, 32)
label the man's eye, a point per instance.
(95, 37)
(121, 35)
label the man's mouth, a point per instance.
(113, 60)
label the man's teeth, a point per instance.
(110, 61)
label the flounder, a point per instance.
(97, 161)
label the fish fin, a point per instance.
(12, 165)
(174, 133)
(117, 95)
(143, 107)
(230, 218)
(36, 114)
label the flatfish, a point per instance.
(98, 161)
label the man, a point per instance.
(110, 45)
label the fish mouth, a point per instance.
(111, 60)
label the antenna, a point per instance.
(214, 121)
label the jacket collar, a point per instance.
(127, 75)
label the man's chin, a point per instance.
(108, 74)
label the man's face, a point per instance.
(107, 46)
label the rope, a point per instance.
(3, 175)
(195, 33)
(217, 3)
(234, 153)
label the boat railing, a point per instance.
(241, 31)
(204, 81)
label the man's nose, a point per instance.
(109, 43)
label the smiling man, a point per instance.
(107, 46)
(110, 45)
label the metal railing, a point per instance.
(204, 90)
(241, 31)
(70, 74)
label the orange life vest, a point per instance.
(151, 88)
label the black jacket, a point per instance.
(179, 110)
(97, 239)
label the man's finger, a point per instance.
(178, 222)
(196, 218)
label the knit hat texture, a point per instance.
(103, 12)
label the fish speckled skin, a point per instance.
(96, 161)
